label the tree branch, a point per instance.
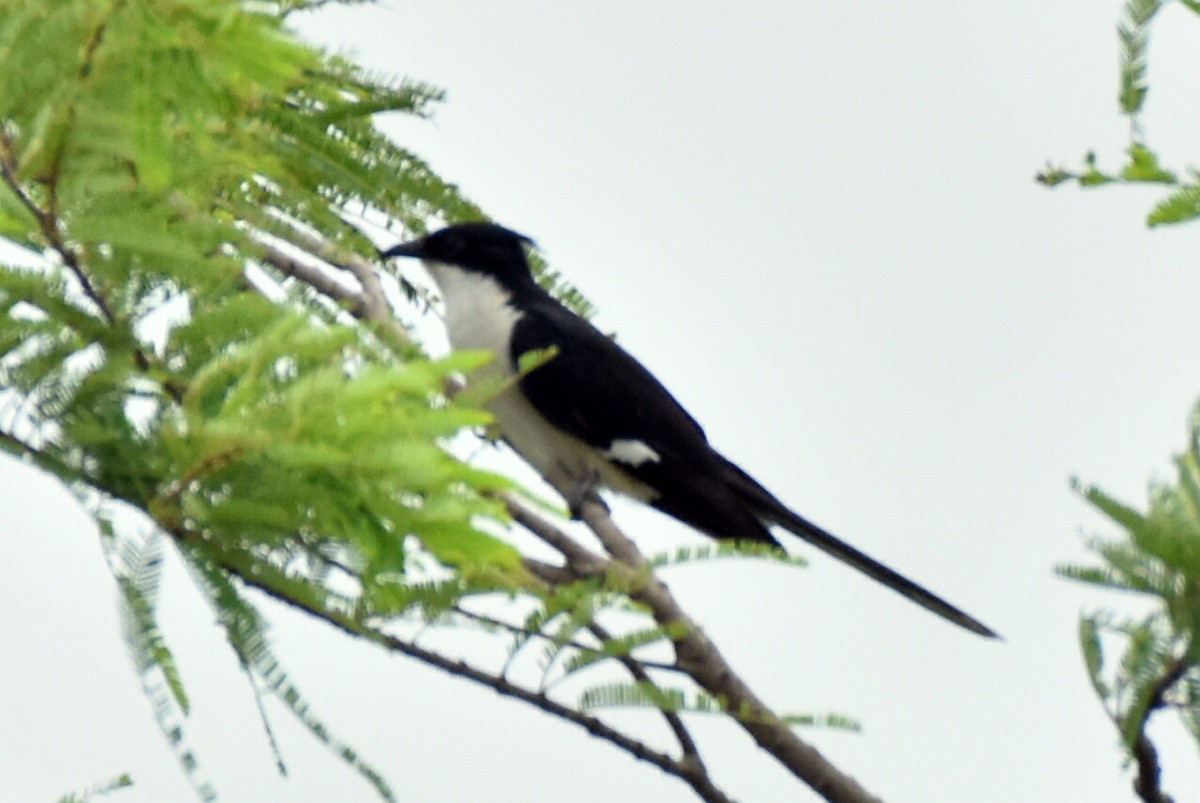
(697, 655)
(375, 304)
(637, 669)
(354, 301)
(48, 223)
(549, 573)
(1146, 784)
(28, 452)
(687, 771)
(368, 304)
(500, 624)
(582, 561)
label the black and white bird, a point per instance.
(593, 415)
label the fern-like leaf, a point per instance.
(1132, 33)
(621, 646)
(725, 549)
(1181, 206)
(98, 790)
(676, 700)
(139, 582)
(1093, 655)
(246, 632)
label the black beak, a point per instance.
(413, 248)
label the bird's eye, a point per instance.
(452, 246)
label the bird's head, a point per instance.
(477, 247)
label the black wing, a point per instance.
(594, 390)
(597, 392)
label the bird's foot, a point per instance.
(586, 489)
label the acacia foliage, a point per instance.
(1158, 556)
(1158, 553)
(195, 339)
(156, 158)
(1143, 164)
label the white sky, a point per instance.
(817, 223)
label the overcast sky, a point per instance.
(817, 223)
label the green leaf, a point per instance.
(726, 549)
(649, 695)
(1179, 207)
(1159, 555)
(1093, 655)
(1052, 176)
(151, 151)
(1189, 706)
(622, 645)
(1123, 515)
(247, 635)
(1143, 166)
(146, 640)
(136, 563)
(100, 789)
(1132, 35)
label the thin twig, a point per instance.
(368, 304)
(49, 463)
(637, 669)
(354, 301)
(581, 560)
(256, 691)
(685, 771)
(207, 465)
(578, 645)
(375, 304)
(48, 221)
(548, 573)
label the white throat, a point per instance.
(478, 312)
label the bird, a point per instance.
(589, 415)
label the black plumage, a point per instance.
(616, 413)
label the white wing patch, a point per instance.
(631, 452)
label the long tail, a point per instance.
(761, 501)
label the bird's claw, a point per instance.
(586, 489)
